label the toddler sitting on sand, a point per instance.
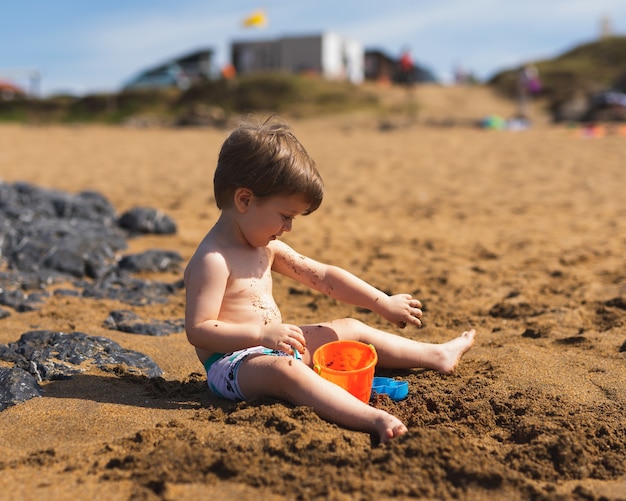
(264, 179)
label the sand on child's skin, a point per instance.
(520, 235)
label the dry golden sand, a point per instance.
(521, 235)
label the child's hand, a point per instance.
(402, 309)
(284, 337)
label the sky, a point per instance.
(83, 47)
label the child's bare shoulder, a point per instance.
(209, 255)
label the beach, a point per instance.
(518, 234)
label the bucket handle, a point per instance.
(364, 357)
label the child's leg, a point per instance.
(394, 352)
(295, 382)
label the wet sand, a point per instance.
(520, 235)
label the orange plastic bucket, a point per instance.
(349, 364)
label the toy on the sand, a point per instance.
(397, 390)
(349, 364)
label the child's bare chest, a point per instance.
(249, 292)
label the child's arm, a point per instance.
(400, 309)
(206, 278)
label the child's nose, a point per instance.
(287, 226)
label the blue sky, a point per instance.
(82, 46)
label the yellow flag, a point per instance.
(255, 20)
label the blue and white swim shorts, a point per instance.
(222, 370)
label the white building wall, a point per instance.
(342, 58)
(329, 55)
(356, 61)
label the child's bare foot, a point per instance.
(452, 351)
(388, 427)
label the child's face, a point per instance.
(268, 218)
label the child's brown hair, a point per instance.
(268, 160)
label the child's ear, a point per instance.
(243, 199)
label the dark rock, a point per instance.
(4, 313)
(146, 220)
(151, 260)
(76, 247)
(29, 280)
(67, 292)
(21, 301)
(128, 321)
(17, 385)
(47, 236)
(49, 230)
(8, 354)
(130, 290)
(25, 202)
(56, 355)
